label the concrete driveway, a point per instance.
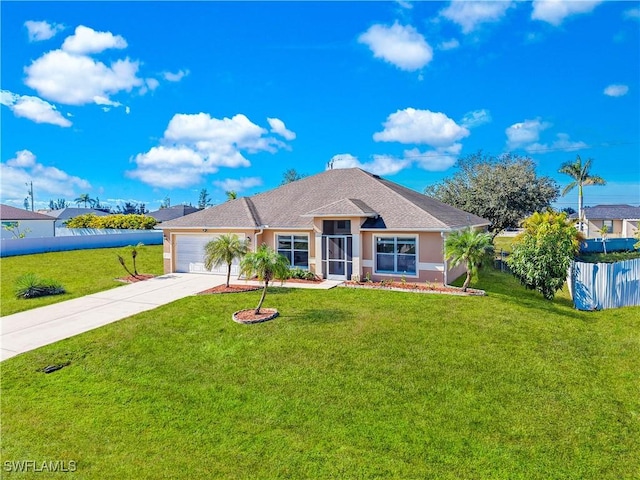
(35, 328)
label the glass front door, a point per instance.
(336, 256)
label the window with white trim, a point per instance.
(295, 248)
(608, 224)
(396, 255)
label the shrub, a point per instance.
(301, 274)
(129, 222)
(32, 286)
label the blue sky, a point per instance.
(140, 101)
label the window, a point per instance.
(295, 248)
(336, 227)
(396, 255)
(608, 224)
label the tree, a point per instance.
(291, 175)
(569, 210)
(58, 204)
(204, 199)
(542, 254)
(86, 199)
(471, 247)
(604, 231)
(579, 172)
(223, 251)
(267, 265)
(14, 229)
(502, 189)
(231, 194)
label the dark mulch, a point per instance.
(141, 277)
(229, 289)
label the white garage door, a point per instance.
(190, 256)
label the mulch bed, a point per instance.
(416, 287)
(134, 279)
(229, 289)
(249, 316)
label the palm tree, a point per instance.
(468, 246)
(85, 198)
(231, 194)
(266, 264)
(224, 250)
(581, 177)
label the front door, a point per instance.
(336, 256)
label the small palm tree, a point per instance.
(224, 250)
(231, 194)
(86, 199)
(579, 172)
(267, 265)
(604, 231)
(469, 246)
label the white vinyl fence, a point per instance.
(597, 286)
(66, 239)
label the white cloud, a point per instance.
(616, 90)
(449, 44)
(475, 118)
(420, 127)
(399, 45)
(555, 11)
(278, 127)
(524, 133)
(632, 14)
(238, 185)
(39, 31)
(436, 160)
(380, 165)
(47, 181)
(86, 40)
(77, 80)
(195, 145)
(404, 4)
(175, 77)
(33, 108)
(562, 143)
(470, 14)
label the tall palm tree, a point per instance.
(267, 265)
(86, 199)
(224, 250)
(471, 247)
(579, 172)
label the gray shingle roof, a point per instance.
(612, 212)
(12, 213)
(349, 190)
(72, 212)
(165, 214)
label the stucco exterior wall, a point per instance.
(31, 228)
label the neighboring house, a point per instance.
(621, 220)
(68, 213)
(339, 224)
(170, 213)
(32, 224)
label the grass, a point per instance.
(81, 272)
(345, 383)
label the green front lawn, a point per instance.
(81, 272)
(346, 383)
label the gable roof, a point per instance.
(612, 212)
(72, 212)
(338, 192)
(12, 213)
(170, 213)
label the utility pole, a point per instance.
(30, 193)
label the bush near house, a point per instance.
(132, 222)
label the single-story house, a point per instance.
(31, 224)
(339, 224)
(64, 214)
(170, 213)
(621, 220)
